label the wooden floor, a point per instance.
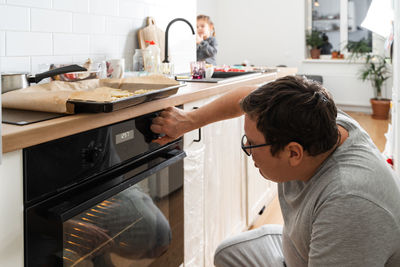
(375, 128)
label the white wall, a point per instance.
(69, 31)
(262, 32)
(272, 33)
(209, 8)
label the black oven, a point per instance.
(105, 197)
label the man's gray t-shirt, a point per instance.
(348, 213)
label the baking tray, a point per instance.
(86, 106)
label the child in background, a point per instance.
(205, 40)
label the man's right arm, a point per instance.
(174, 122)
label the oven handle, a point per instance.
(67, 210)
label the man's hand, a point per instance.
(172, 122)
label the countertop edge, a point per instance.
(19, 137)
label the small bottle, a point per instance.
(156, 58)
(148, 60)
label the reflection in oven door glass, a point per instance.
(128, 225)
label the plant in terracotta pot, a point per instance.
(335, 54)
(314, 41)
(377, 72)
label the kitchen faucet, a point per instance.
(166, 36)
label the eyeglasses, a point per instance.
(247, 149)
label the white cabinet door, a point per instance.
(215, 191)
(194, 195)
(224, 188)
(11, 210)
(260, 191)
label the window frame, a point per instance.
(344, 32)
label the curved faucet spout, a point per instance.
(166, 35)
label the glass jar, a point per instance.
(139, 60)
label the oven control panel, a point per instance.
(75, 158)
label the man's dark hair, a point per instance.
(294, 109)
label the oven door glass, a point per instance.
(140, 226)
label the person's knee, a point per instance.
(246, 248)
(226, 254)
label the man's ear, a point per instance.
(295, 153)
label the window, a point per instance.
(339, 21)
(357, 11)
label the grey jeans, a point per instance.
(254, 248)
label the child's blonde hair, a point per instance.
(208, 20)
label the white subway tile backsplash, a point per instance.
(119, 25)
(44, 20)
(103, 44)
(84, 23)
(42, 63)
(96, 60)
(14, 18)
(28, 44)
(138, 23)
(2, 44)
(127, 44)
(15, 64)
(72, 5)
(104, 7)
(70, 44)
(159, 14)
(37, 32)
(132, 9)
(31, 3)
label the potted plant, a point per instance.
(314, 41)
(358, 49)
(335, 54)
(377, 72)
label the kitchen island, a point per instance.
(205, 203)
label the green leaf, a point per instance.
(376, 71)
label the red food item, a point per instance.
(70, 76)
(229, 70)
(235, 70)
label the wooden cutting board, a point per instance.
(152, 33)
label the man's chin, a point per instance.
(268, 178)
(262, 174)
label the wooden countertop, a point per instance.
(18, 137)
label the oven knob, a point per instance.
(143, 126)
(92, 154)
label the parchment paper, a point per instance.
(53, 96)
